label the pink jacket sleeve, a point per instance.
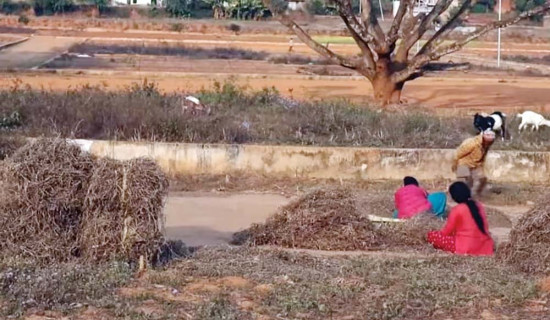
(450, 226)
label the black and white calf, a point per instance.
(495, 121)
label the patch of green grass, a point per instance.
(334, 39)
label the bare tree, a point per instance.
(386, 59)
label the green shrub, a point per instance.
(101, 5)
(526, 5)
(14, 7)
(480, 8)
(233, 27)
(319, 7)
(178, 27)
(178, 8)
(50, 7)
(23, 19)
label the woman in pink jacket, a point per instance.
(467, 230)
(411, 200)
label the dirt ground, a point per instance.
(460, 91)
(212, 218)
(212, 209)
(450, 90)
(34, 51)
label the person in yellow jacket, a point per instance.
(470, 158)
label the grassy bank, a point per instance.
(142, 112)
(251, 283)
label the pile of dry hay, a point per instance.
(411, 233)
(331, 219)
(58, 204)
(529, 245)
(322, 219)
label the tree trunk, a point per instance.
(385, 90)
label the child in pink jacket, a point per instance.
(411, 200)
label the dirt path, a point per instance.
(34, 51)
(512, 212)
(280, 43)
(210, 219)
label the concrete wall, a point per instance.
(321, 162)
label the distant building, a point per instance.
(295, 5)
(425, 6)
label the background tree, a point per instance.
(386, 59)
(178, 8)
(525, 5)
(239, 9)
(101, 5)
(49, 7)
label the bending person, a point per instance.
(411, 200)
(470, 160)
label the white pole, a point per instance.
(360, 7)
(498, 42)
(381, 11)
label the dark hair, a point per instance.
(460, 192)
(410, 180)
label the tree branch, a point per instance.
(393, 33)
(445, 29)
(437, 53)
(310, 42)
(365, 50)
(346, 12)
(427, 22)
(420, 29)
(371, 23)
(359, 34)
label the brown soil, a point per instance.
(449, 92)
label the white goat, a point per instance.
(532, 118)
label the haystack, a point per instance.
(337, 219)
(43, 188)
(123, 215)
(58, 203)
(529, 245)
(323, 219)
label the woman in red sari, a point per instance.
(466, 230)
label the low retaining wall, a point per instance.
(321, 162)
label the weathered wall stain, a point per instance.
(321, 162)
